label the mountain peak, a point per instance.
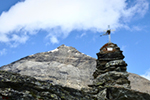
(64, 48)
(58, 48)
(64, 65)
(63, 45)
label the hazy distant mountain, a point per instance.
(139, 83)
(66, 66)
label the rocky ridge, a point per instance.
(65, 66)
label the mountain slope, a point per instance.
(66, 66)
(139, 83)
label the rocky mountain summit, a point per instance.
(67, 74)
(65, 66)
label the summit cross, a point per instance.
(108, 31)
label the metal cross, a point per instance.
(108, 33)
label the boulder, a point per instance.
(113, 78)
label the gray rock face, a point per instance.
(139, 83)
(115, 65)
(118, 93)
(20, 87)
(64, 66)
(113, 78)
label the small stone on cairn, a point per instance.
(111, 69)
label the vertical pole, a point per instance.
(109, 38)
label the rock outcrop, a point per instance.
(16, 87)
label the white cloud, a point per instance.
(83, 34)
(137, 28)
(3, 52)
(63, 16)
(54, 39)
(147, 75)
(20, 39)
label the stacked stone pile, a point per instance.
(111, 69)
(111, 78)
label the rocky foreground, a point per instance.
(20, 87)
(16, 87)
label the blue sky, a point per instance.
(32, 26)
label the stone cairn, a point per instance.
(111, 68)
